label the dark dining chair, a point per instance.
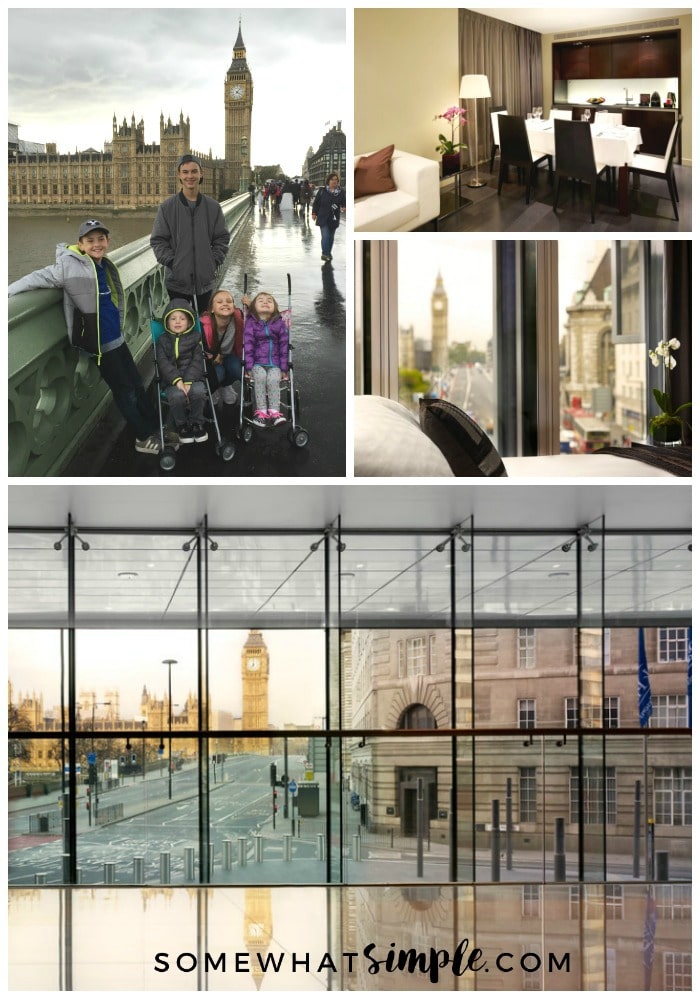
(574, 158)
(648, 165)
(515, 151)
(495, 114)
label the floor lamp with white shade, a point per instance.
(475, 85)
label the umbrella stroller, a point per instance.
(290, 406)
(225, 449)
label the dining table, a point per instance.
(613, 145)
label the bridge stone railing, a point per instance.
(55, 393)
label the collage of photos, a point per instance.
(382, 681)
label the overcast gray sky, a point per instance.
(71, 69)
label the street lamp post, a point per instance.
(170, 663)
(95, 703)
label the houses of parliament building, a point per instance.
(132, 173)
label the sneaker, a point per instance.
(324, 256)
(260, 418)
(199, 433)
(276, 417)
(170, 438)
(149, 445)
(185, 435)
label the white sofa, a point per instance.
(415, 201)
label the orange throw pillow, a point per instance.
(373, 173)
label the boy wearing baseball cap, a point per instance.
(93, 305)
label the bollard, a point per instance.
(242, 851)
(165, 868)
(321, 846)
(78, 875)
(138, 870)
(39, 879)
(189, 863)
(356, 847)
(258, 848)
(559, 851)
(109, 873)
(66, 868)
(495, 839)
(227, 854)
(287, 848)
(661, 865)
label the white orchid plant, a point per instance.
(668, 418)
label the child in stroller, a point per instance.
(181, 365)
(266, 355)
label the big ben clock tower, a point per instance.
(438, 309)
(255, 676)
(238, 106)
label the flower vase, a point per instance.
(451, 163)
(668, 434)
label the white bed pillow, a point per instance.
(389, 442)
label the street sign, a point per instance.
(92, 757)
(292, 787)
(66, 769)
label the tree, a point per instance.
(411, 383)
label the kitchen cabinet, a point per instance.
(622, 58)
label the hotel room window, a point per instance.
(446, 325)
(605, 310)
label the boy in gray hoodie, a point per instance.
(93, 305)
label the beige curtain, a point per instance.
(511, 58)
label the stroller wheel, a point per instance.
(167, 459)
(300, 437)
(247, 434)
(226, 451)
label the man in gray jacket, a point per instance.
(190, 238)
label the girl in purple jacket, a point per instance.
(266, 352)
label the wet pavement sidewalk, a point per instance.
(266, 248)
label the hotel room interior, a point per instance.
(627, 69)
(538, 358)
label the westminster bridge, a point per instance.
(61, 418)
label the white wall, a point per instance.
(406, 72)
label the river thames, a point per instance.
(32, 239)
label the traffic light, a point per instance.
(274, 800)
(273, 775)
(92, 773)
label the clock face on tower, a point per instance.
(438, 306)
(253, 664)
(236, 92)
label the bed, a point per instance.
(391, 442)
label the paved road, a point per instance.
(266, 249)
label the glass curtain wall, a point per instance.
(454, 714)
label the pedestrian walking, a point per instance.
(327, 207)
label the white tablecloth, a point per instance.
(612, 145)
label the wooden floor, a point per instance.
(651, 208)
